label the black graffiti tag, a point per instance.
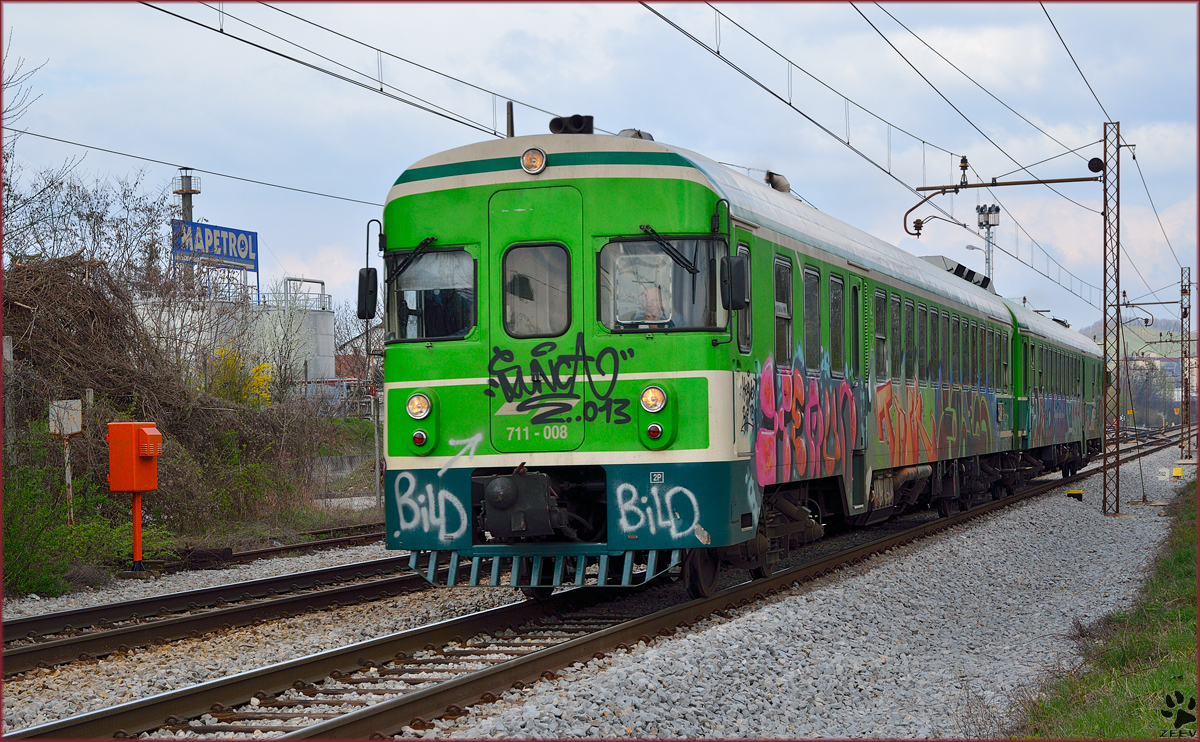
(552, 385)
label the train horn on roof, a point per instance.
(571, 124)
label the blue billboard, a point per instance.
(192, 242)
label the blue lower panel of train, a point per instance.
(562, 519)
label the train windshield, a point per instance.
(644, 289)
(434, 297)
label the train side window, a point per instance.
(837, 326)
(897, 340)
(955, 343)
(922, 344)
(967, 376)
(945, 366)
(1006, 380)
(537, 293)
(935, 357)
(744, 326)
(783, 312)
(812, 319)
(991, 359)
(910, 345)
(972, 355)
(855, 335)
(881, 344)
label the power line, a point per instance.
(847, 144)
(960, 113)
(817, 80)
(415, 64)
(1155, 209)
(1055, 157)
(449, 117)
(789, 104)
(199, 170)
(343, 66)
(981, 87)
(1072, 56)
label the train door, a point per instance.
(538, 360)
(856, 372)
(744, 393)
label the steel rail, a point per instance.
(98, 615)
(204, 558)
(242, 557)
(387, 717)
(149, 713)
(96, 644)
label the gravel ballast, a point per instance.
(908, 644)
(929, 640)
(122, 590)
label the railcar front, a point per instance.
(558, 399)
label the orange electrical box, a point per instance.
(133, 451)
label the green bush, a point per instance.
(39, 547)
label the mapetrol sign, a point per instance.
(192, 242)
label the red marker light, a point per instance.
(419, 437)
(654, 431)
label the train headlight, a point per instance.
(533, 161)
(653, 399)
(418, 406)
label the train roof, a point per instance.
(582, 155)
(758, 203)
(1035, 323)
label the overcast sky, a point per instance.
(134, 79)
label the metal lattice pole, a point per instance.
(1185, 361)
(1112, 318)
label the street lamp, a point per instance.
(989, 218)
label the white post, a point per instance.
(70, 493)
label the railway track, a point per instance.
(379, 686)
(86, 633)
(323, 539)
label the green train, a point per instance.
(610, 360)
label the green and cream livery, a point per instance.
(591, 377)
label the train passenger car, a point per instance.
(608, 358)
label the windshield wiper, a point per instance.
(671, 250)
(416, 253)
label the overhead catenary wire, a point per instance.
(382, 84)
(1072, 56)
(1155, 210)
(1109, 118)
(1055, 157)
(964, 116)
(984, 89)
(427, 68)
(792, 106)
(199, 170)
(449, 117)
(846, 143)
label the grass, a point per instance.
(1133, 658)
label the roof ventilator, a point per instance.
(635, 134)
(960, 270)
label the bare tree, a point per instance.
(282, 337)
